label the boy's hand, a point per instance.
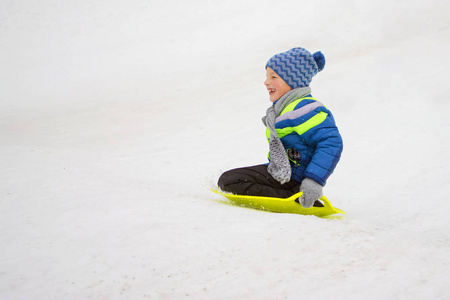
(312, 191)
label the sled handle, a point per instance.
(324, 199)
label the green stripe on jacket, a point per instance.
(302, 128)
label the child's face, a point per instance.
(276, 86)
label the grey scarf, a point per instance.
(279, 166)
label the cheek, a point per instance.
(287, 89)
(278, 85)
(281, 85)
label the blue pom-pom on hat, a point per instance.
(320, 60)
(297, 66)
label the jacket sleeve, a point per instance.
(327, 142)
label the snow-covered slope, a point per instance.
(117, 118)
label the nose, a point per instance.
(266, 82)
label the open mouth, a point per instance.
(271, 91)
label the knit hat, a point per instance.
(297, 66)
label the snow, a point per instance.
(118, 117)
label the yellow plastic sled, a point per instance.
(282, 205)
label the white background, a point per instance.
(117, 117)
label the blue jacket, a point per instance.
(307, 126)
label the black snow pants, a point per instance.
(256, 181)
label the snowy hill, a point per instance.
(117, 118)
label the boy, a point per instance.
(304, 142)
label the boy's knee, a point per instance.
(225, 179)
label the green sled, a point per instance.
(281, 205)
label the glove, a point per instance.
(312, 191)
